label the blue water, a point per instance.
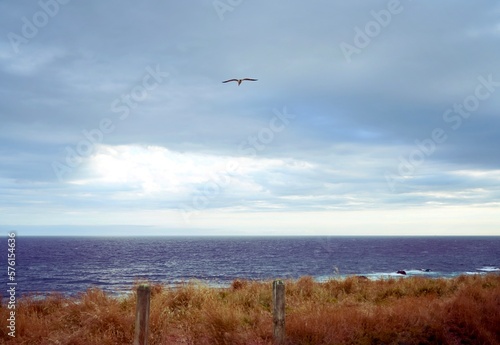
(74, 264)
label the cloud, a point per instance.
(169, 145)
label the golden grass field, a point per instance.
(412, 310)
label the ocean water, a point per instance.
(73, 264)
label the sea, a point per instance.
(71, 265)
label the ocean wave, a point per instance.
(489, 269)
(119, 263)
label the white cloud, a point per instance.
(154, 170)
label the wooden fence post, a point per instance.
(279, 311)
(142, 315)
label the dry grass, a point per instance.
(463, 310)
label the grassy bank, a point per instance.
(463, 310)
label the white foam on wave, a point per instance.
(371, 276)
(489, 269)
(383, 275)
(410, 273)
(474, 273)
(420, 272)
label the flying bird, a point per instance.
(239, 80)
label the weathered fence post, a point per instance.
(142, 315)
(279, 311)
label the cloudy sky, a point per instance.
(368, 117)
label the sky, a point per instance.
(368, 117)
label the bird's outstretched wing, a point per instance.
(227, 81)
(250, 79)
